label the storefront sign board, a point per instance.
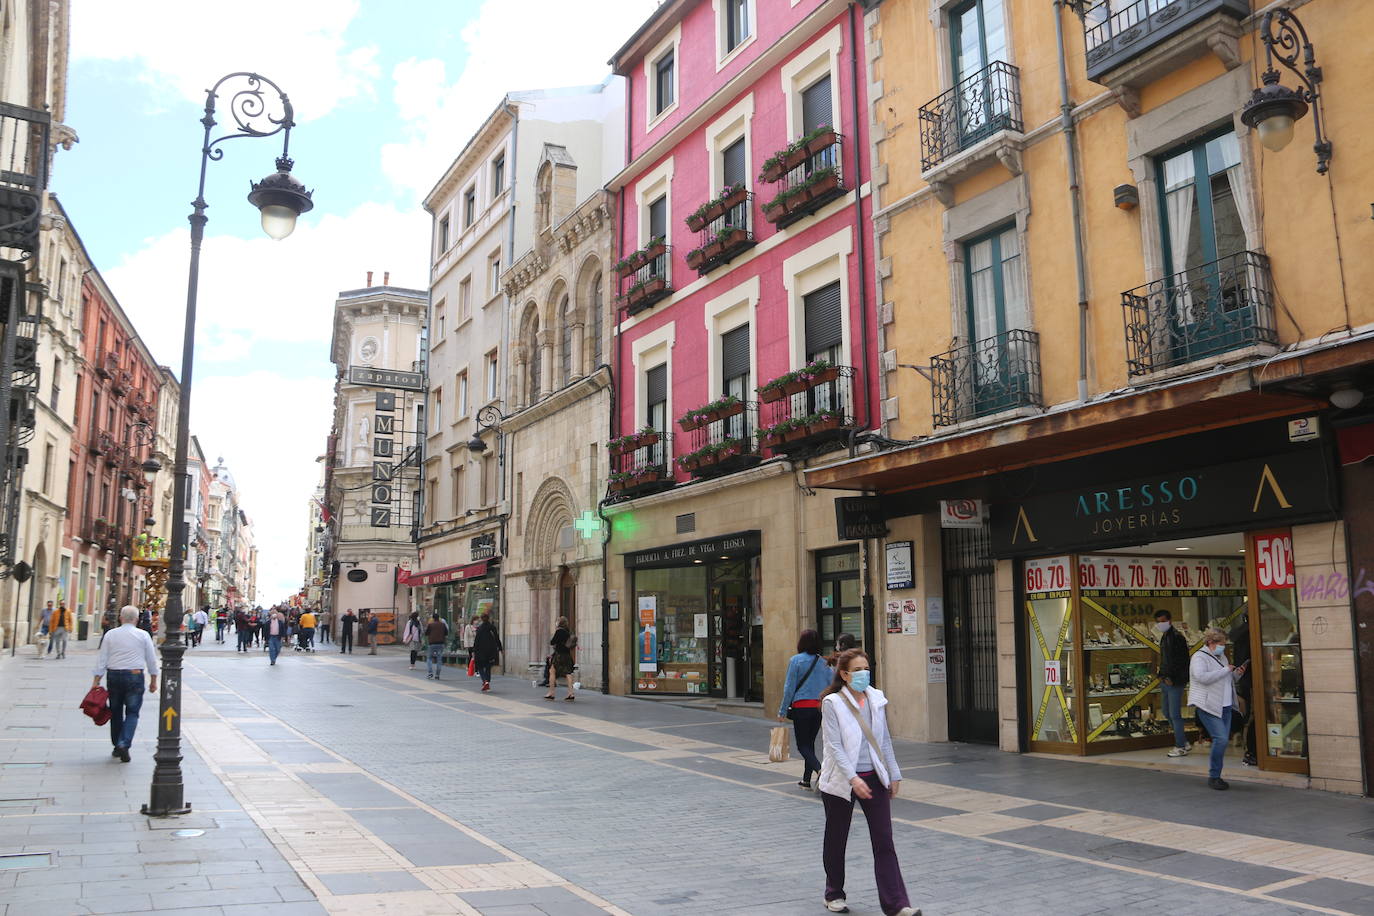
(483, 546)
(386, 378)
(1304, 429)
(901, 567)
(935, 665)
(1183, 576)
(1282, 488)
(648, 633)
(894, 616)
(961, 513)
(734, 546)
(860, 517)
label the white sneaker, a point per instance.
(1178, 752)
(837, 905)
(908, 911)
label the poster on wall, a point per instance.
(910, 616)
(1160, 576)
(894, 616)
(699, 630)
(648, 633)
(1047, 578)
(935, 665)
(1274, 560)
(901, 569)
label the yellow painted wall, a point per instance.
(1296, 204)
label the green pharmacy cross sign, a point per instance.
(589, 525)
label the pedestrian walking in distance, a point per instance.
(486, 649)
(1212, 692)
(372, 633)
(60, 623)
(411, 637)
(806, 679)
(325, 620)
(202, 620)
(436, 635)
(308, 630)
(563, 642)
(276, 629)
(126, 655)
(859, 764)
(346, 623)
(45, 628)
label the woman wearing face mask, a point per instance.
(859, 764)
(1212, 692)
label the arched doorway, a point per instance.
(40, 571)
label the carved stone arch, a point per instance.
(591, 282)
(552, 317)
(527, 371)
(552, 508)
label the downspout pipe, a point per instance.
(1075, 199)
(859, 227)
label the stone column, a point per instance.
(579, 357)
(544, 340)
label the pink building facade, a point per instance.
(746, 342)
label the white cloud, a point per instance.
(268, 428)
(183, 47)
(257, 290)
(533, 44)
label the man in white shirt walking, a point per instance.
(126, 654)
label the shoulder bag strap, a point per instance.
(868, 732)
(807, 676)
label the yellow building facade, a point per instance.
(1125, 358)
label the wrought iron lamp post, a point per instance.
(280, 198)
(1273, 108)
(488, 418)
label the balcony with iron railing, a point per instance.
(1157, 36)
(645, 277)
(641, 463)
(809, 174)
(725, 229)
(810, 408)
(723, 438)
(986, 377)
(24, 151)
(26, 343)
(971, 126)
(1199, 313)
(120, 381)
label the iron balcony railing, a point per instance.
(1206, 310)
(24, 134)
(977, 107)
(725, 445)
(821, 412)
(809, 185)
(650, 282)
(986, 377)
(1116, 31)
(725, 237)
(644, 467)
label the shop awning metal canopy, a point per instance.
(444, 575)
(1282, 386)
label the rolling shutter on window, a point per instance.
(816, 110)
(824, 327)
(734, 353)
(658, 218)
(732, 164)
(656, 385)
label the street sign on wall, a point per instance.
(386, 378)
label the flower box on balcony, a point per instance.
(726, 240)
(795, 385)
(640, 293)
(690, 421)
(707, 457)
(696, 257)
(648, 475)
(689, 462)
(775, 209)
(819, 140)
(715, 209)
(794, 431)
(826, 181)
(822, 423)
(638, 259)
(820, 372)
(732, 448)
(626, 444)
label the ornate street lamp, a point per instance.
(281, 198)
(488, 417)
(1273, 108)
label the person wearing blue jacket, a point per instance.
(807, 676)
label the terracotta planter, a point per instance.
(824, 186)
(618, 450)
(816, 144)
(644, 477)
(640, 293)
(689, 423)
(618, 485)
(689, 463)
(825, 375)
(707, 459)
(795, 433)
(772, 440)
(714, 249)
(775, 210)
(773, 172)
(696, 257)
(796, 386)
(646, 440)
(770, 395)
(824, 425)
(732, 451)
(696, 223)
(731, 410)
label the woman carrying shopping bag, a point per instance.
(859, 764)
(801, 700)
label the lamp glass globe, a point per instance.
(1275, 131)
(278, 221)
(1346, 398)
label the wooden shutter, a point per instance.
(732, 165)
(734, 353)
(824, 324)
(816, 110)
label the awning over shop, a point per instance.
(445, 575)
(1211, 402)
(1356, 443)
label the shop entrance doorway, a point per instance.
(970, 634)
(739, 638)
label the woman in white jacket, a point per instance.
(1212, 692)
(858, 763)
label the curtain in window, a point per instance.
(983, 291)
(1180, 208)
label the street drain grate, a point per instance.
(188, 833)
(24, 802)
(26, 860)
(24, 766)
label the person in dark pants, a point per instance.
(1173, 677)
(562, 664)
(126, 654)
(346, 623)
(411, 637)
(807, 677)
(372, 634)
(486, 650)
(859, 764)
(1244, 720)
(276, 631)
(436, 635)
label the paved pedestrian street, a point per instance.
(354, 785)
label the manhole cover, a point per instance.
(188, 833)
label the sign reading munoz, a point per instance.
(383, 456)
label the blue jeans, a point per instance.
(1173, 710)
(273, 647)
(434, 661)
(1219, 727)
(126, 699)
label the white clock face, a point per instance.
(367, 351)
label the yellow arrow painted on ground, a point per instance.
(169, 714)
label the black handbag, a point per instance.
(805, 677)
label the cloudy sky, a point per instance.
(385, 94)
